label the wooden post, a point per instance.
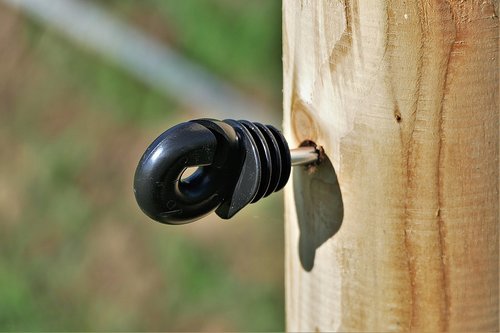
(402, 232)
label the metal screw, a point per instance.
(304, 155)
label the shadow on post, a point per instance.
(320, 209)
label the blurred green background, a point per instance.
(75, 251)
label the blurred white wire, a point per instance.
(146, 58)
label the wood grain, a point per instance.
(403, 96)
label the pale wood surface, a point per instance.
(403, 96)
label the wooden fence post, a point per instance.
(400, 231)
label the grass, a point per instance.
(75, 252)
(238, 39)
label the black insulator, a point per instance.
(239, 162)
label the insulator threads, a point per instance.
(274, 157)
